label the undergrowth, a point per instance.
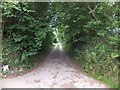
(98, 58)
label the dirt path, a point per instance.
(56, 71)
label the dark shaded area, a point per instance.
(57, 54)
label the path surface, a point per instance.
(57, 71)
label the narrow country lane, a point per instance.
(56, 71)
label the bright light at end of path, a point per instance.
(58, 45)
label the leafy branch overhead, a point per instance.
(25, 28)
(89, 31)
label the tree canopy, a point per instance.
(89, 31)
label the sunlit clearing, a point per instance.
(55, 46)
(60, 47)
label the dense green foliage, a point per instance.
(88, 32)
(25, 31)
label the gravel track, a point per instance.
(56, 71)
